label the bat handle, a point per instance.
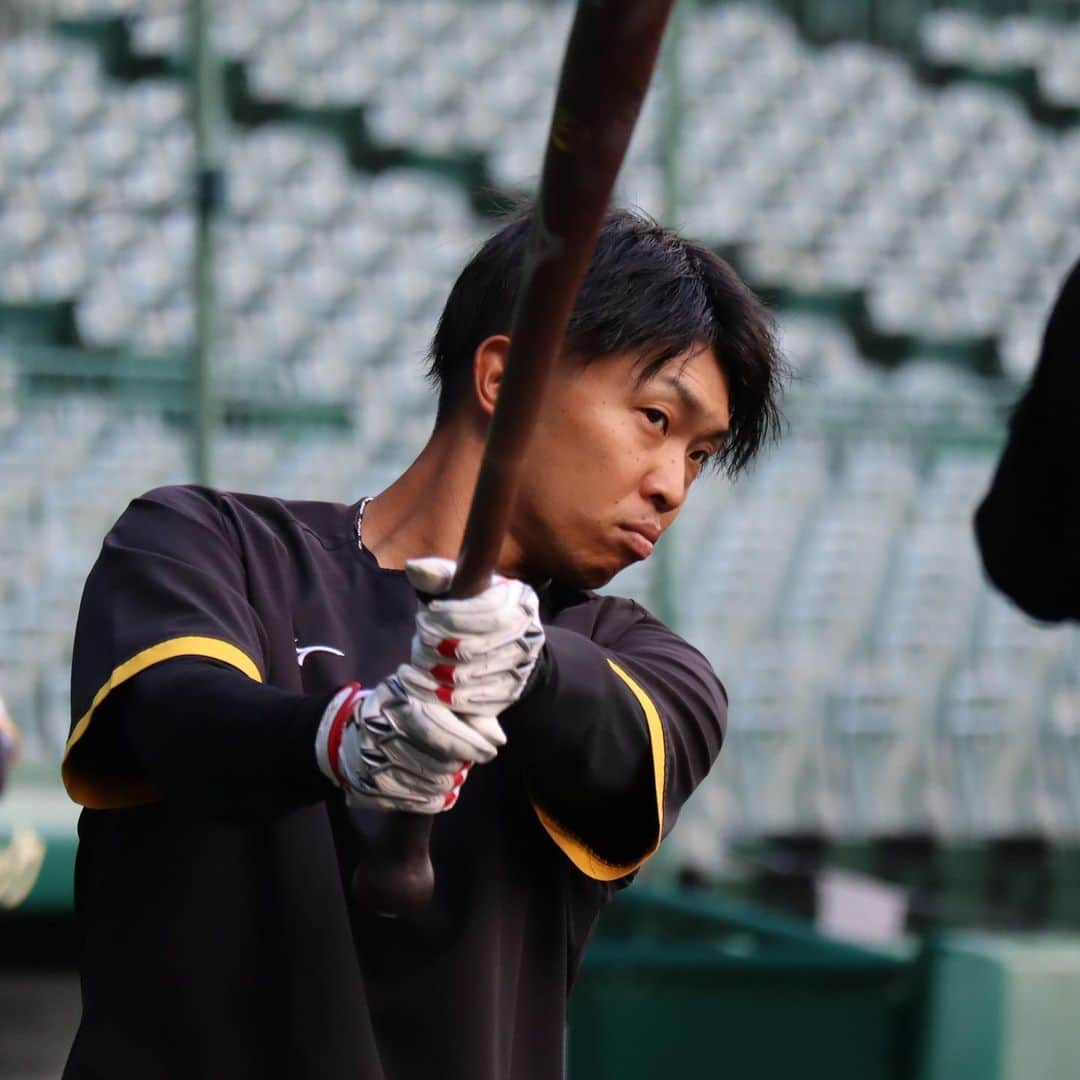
(397, 878)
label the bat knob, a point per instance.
(397, 877)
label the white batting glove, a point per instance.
(390, 751)
(475, 655)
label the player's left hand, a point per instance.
(475, 655)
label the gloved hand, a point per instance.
(475, 655)
(390, 751)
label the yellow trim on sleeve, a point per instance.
(584, 858)
(99, 795)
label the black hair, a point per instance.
(648, 292)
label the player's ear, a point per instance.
(489, 362)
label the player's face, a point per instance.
(612, 460)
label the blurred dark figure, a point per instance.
(1028, 525)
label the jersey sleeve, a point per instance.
(169, 582)
(620, 729)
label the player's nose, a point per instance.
(665, 485)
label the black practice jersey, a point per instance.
(214, 859)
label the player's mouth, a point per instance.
(641, 538)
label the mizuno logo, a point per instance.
(302, 652)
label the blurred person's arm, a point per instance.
(1028, 524)
(9, 744)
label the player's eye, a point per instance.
(703, 458)
(657, 418)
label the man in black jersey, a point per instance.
(255, 681)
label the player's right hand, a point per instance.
(387, 750)
(476, 654)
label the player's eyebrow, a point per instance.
(690, 401)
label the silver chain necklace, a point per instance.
(360, 521)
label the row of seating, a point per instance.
(318, 267)
(830, 170)
(978, 42)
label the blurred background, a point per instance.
(226, 233)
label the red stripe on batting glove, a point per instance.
(448, 647)
(337, 727)
(445, 694)
(449, 799)
(443, 673)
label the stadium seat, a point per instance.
(879, 744)
(992, 744)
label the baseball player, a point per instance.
(257, 681)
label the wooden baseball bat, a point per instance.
(605, 75)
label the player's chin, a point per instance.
(600, 571)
